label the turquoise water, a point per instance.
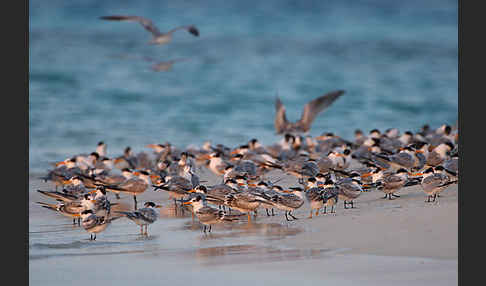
(397, 61)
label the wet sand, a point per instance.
(402, 241)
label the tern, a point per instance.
(434, 181)
(289, 200)
(144, 216)
(158, 38)
(95, 224)
(311, 110)
(392, 183)
(208, 215)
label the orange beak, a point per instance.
(235, 152)
(92, 192)
(286, 191)
(204, 157)
(252, 185)
(158, 206)
(241, 184)
(191, 191)
(117, 160)
(417, 174)
(136, 173)
(187, 203)
(322, 138)
(154, 177)
(66, 182)
(60, 163)
(366, 175)
(419, 151)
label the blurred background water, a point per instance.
(397, 61)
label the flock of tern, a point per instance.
(327, 168)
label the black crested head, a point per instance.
(448, 143)
(202, 188)
(320, 175)
(439, 168)
(402, 170)
(354, 175)
(277, 187)
(429, 170)
(447, 129)
(375, 131)
(262, 183)
(328, 181)
(229, 167)
(149, 204)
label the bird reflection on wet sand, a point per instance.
(270, 231)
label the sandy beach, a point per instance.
(380, 241)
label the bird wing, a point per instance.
(134, 185)
(207, 214)
(59, 196)
(146, 23)
(280, 118)
(314, 107)
(403, 159)
(434, 181)
(394, 181)
(191, 29)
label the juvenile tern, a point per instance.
(94, 224)
(392, 183)
(289, 200)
